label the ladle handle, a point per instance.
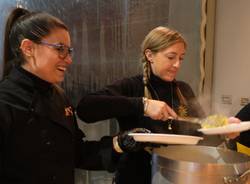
(187, 119)
(242, 179)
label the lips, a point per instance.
(172, 73)
(62, 68)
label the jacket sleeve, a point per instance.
(5, 121)
(244, 115)
(113, 101)
(96, 155)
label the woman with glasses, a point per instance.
(151, 100)
(40, 142)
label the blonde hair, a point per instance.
(156, 40)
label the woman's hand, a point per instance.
(123, 142)
(235, 134)
(159, 110)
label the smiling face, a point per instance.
(44, 60)
(166, 63)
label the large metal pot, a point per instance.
(199, 165)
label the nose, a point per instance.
(177, 63)
(68, 59)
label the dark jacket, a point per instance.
(40, 142)
(244, 138)
(123, 101)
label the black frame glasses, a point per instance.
(63, 50)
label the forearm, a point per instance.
(98, 155)
(99, 107)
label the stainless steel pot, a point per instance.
(199, 165)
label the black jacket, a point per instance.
(244, 138)
(40, 142)
(123, 101)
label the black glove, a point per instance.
(127, 143)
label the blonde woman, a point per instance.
(150, 100)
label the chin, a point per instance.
(168, 79)
(57, 81)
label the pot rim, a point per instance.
(192, 166)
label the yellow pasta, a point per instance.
(214, 121)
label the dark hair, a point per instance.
(23, 24)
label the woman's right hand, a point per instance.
(159, 110)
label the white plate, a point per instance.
(165, 138)
(230, 128)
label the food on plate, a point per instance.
(214, 121)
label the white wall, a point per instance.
(185, 16)
(231, 75)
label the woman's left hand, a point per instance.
(126, 143)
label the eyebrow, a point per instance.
(175, 53)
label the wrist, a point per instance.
(145, 104)
(116, 146)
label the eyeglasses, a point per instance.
(63, 50)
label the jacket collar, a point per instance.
(29, 80)
(39, 97)
(156, 81)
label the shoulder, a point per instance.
(244, 113)
(14, 95)
(8, 90)
(132, 83)
(6, 84)
(128, 86)
(127, 83)
(130, 80)
(246, 107)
